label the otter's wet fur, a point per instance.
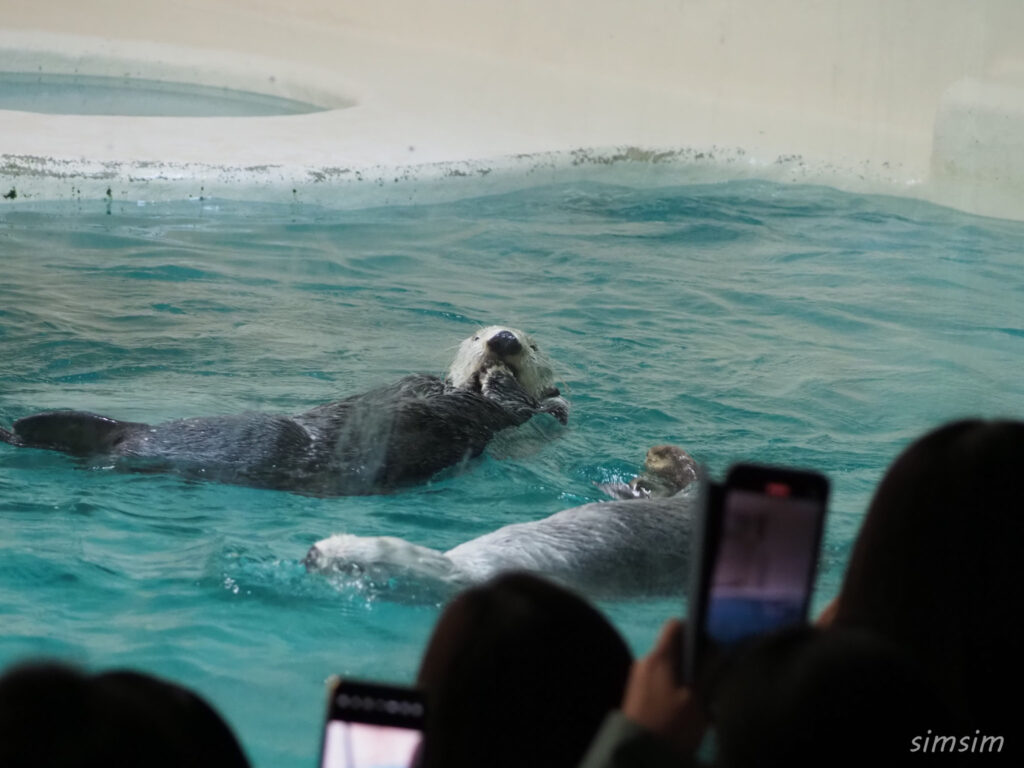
(373, 442)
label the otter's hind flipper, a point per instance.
(76, 432)
(9, 437)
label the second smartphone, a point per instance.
(370, 725)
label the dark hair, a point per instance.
(807, 696)
(55, 716)
(519, 672)
(937, 565)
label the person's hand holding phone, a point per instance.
(656, 701)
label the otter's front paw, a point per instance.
(497, 375)
(557, 407)
(489, 375)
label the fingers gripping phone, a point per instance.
(372, 726)
(757, 550)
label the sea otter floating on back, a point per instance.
(391, 436)
(635, 546)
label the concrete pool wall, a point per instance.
(923, 98)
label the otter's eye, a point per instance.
(533, 347)
(476, 338)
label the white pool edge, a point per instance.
(421, 106)
(30, 179)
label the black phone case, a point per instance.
(799, 483)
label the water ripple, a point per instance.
(746, 320)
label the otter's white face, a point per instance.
(509, 346)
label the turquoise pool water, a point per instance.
(785, 324)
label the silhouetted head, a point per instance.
(937, 567)
(809, 696)
(519, 672)
(54, 716)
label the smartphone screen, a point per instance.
(373, 726)
(759, 550)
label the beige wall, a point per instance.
(828, 90)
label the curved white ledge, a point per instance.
(459, 97)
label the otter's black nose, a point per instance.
(504, 343)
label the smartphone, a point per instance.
(369, 725)
(755, 558)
